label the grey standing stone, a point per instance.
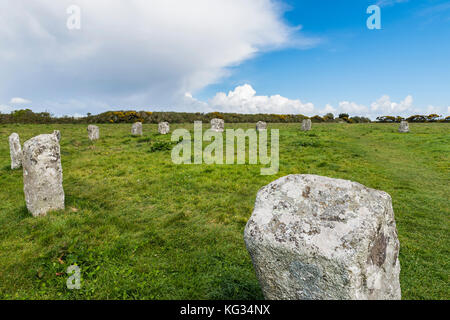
(217, 125)
(57, 133)
(136, 129)
(15, 151)
(404, 127)
(261, 125)
(42, 175)
(306, 124)
(163, 128)
(93, 132)
(313, 237)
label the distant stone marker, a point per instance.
(404, 127)
(313, 237)
(261, 125)
(136, 129)
(163, 128)
(93, 132)
(42, 174)
(217, 125)
(15, 151)
(306, 124)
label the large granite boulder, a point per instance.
(15, 151)
(93, 132)
(217, 125)
(42, 174)
(306, 124)
(163, 128)
(136, 129)
(404, 127)
(313, 237)
(261, 125)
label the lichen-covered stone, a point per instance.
(42, 174)
(57, 133)
(136, 129)
(163, 128)
(217, 125)
(404, 127)
(313, 237)
(261, 125)
(306, 124)
(15, 151)
(93, 132)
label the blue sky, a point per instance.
(410, 55)
(249, 56)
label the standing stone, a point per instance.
(404, 127)
(57, 133)
(306, 124)
(136, 129)
(313, 237)
(217, 125)
(261, 125)
(15, 151)
(163, 128)
(93, 132)
(42, 174)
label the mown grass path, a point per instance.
(141, 227)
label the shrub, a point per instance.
(417, 118)
(317, 119)
(28, 116)
(328, 117)
(161, 146)
(433, 117)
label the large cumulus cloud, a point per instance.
(131, 52)
(243, 99)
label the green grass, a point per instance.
(141, 227)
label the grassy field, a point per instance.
(141, 227)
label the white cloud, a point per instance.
(139, 53)
(243, 99)
(381, 107)
(188, 102)
(432, 109)
(353, 108)
(385, 106)
(437, 110)
(328, 109)
(19, 100)
(387, 3)
(5, 108)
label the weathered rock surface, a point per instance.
(217, 125)
(136, 129)
(404, 127)
(313, 237)
(306, 124)
(57, 133)
(15, 151)
(93, 132)
(163, 128)
(261, 125)
(42, 174)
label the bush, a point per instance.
(359, 120)
(328, 117)
(27, 116)
(317, 119)
(161, 146)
